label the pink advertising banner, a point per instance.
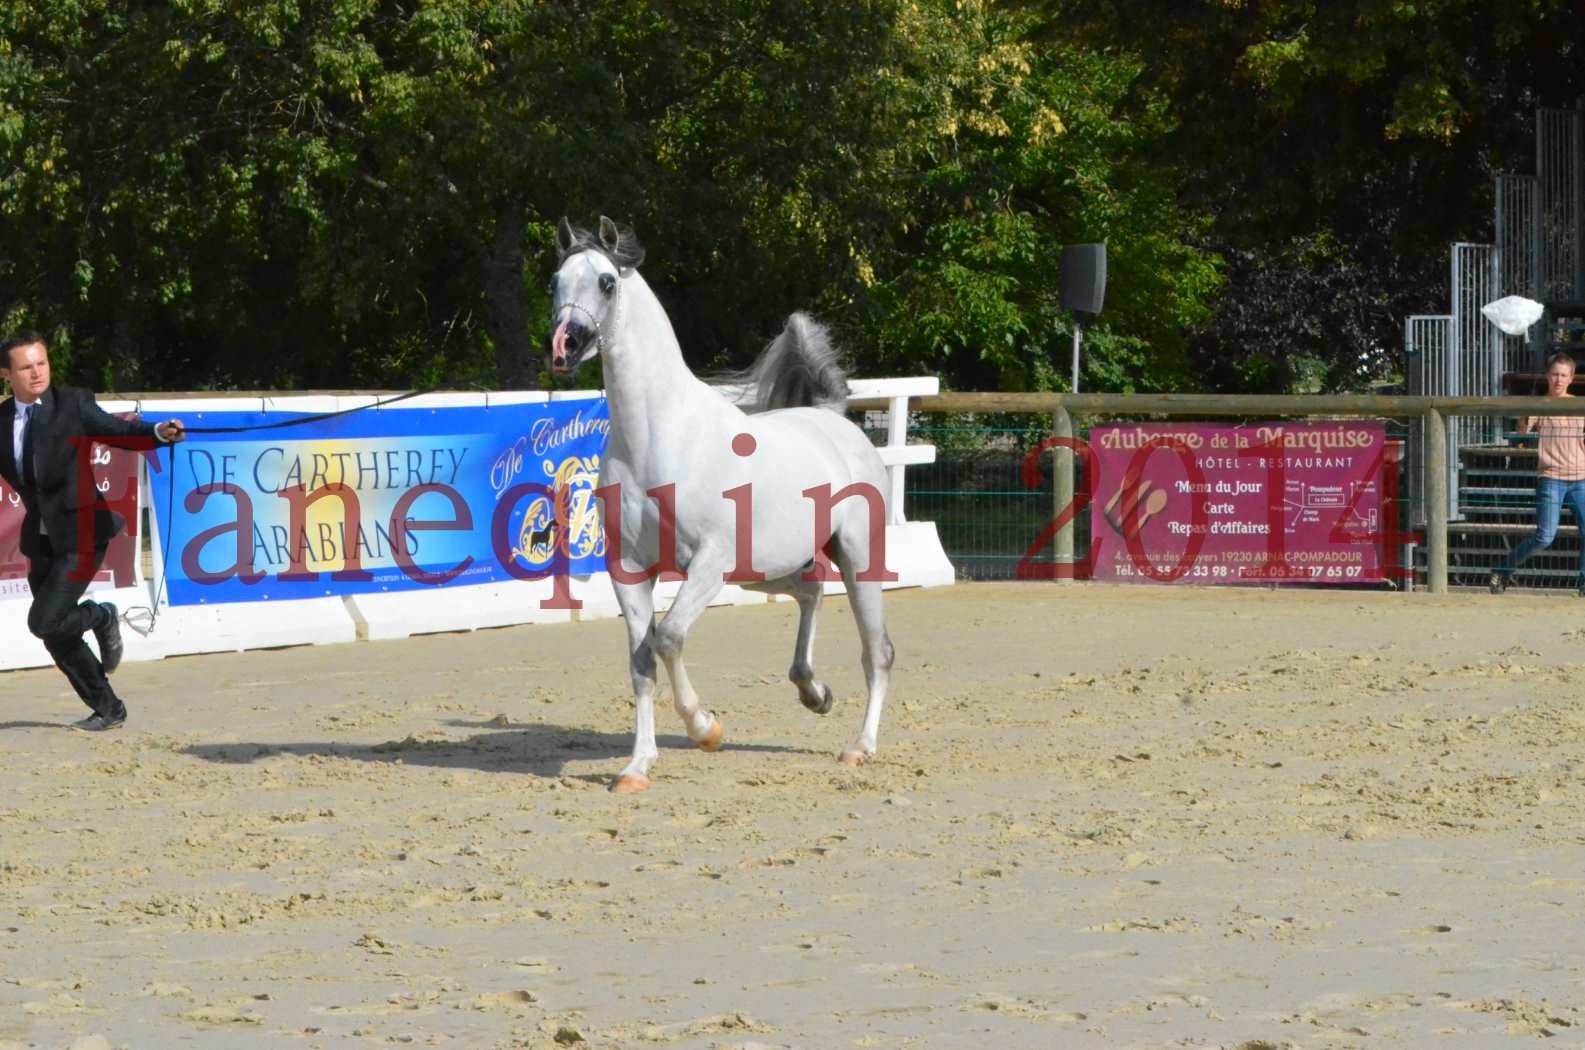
(116, 478)
(1252, 503)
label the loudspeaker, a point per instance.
(1083, 277)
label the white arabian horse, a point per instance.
(768, 469)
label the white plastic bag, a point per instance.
(1513, 314)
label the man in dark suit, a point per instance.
(45, 440)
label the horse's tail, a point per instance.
(800, 368)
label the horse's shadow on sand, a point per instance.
(511, 747)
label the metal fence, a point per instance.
(1499, 502)
(1476, 350)
(985, 512)
(1561, 184)
(1539, 253)
(1518, 241)
(1431, 371)
(1518, 222)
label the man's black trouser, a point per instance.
(59, 617)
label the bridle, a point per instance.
(594, 322)
(600, 341)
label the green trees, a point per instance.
(1048, 148)
(1339, 148)
(348, 192)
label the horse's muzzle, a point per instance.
(569, 344)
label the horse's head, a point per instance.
(585, 289)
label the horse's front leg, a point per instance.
(637, 601)
(705, 579)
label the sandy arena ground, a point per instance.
(1101, 817)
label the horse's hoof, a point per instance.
(821, 706)
(853, 758)
(630, 784)
(711, 741)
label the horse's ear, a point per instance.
(621, 246)
(564, 236)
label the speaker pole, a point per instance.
(1078, 336)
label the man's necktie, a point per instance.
(26, 466)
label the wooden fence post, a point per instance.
(1436, 500)
(1062, 495)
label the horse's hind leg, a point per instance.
(816, 695)
(865, 598)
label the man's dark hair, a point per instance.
(23, 337)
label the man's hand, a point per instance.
(171, 431)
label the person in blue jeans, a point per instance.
(1560, 454)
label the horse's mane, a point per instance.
(799, 369)
(625, 253)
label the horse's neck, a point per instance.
(646, 380)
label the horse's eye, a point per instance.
(607, 283)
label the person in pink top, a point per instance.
(1560, 474)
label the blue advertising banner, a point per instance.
(391, 500)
